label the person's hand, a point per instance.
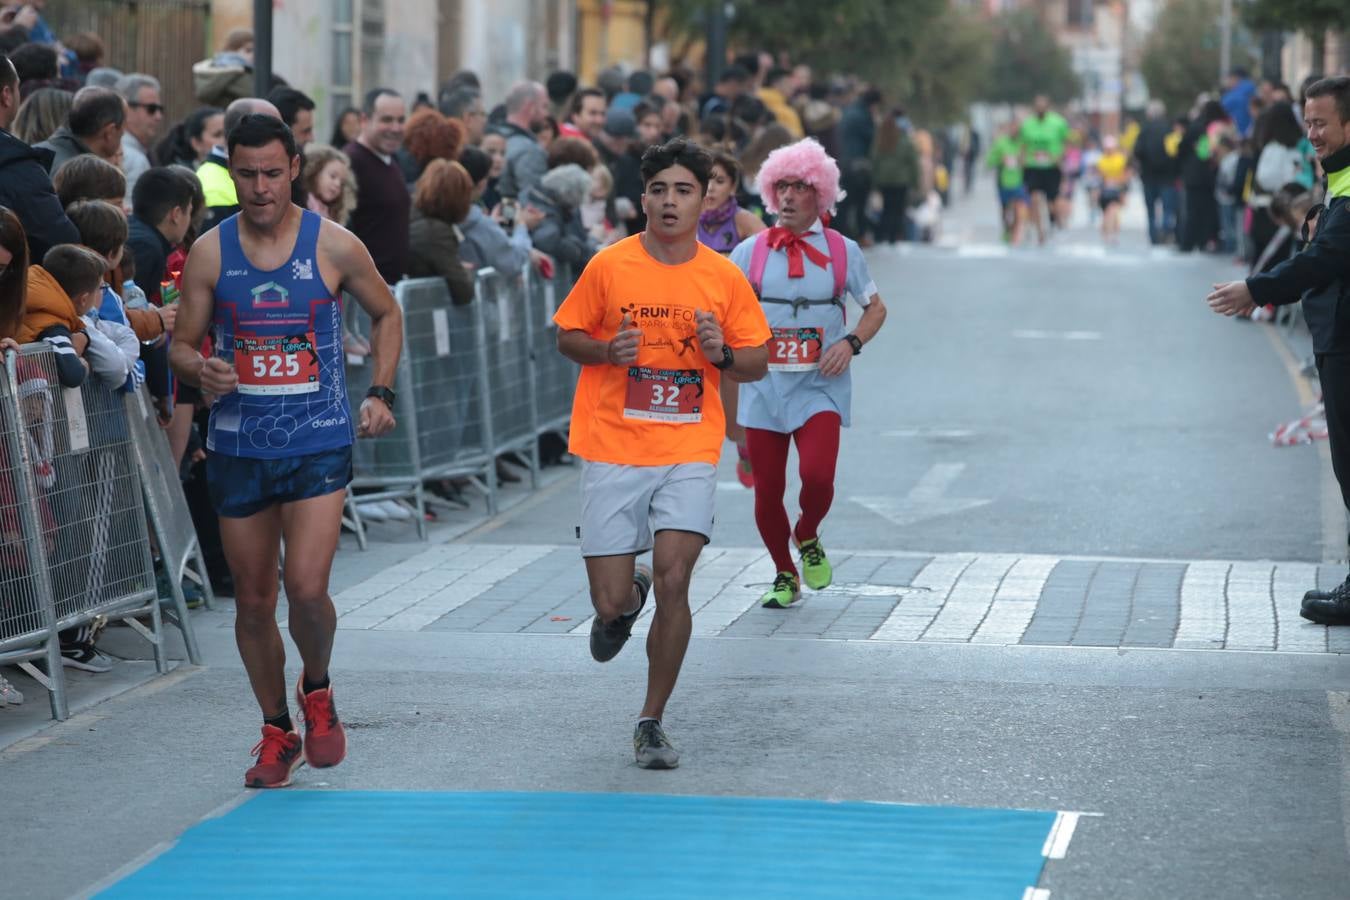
(168, 315)
(542, 262)
(218, 377)
(80, 341)
(709, 335)
(836, 359)
(27, 16)
(532, 216)
(376, 418)
(623, 347)
(9, 344)
(624, 208)
(1231, 299)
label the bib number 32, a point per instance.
(664, 395)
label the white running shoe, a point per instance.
(397, 511)
(9, 694)
(375, 512)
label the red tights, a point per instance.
(817, 452)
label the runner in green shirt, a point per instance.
(1005, 157)
(1043, 135)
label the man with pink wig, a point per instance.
(801, 270)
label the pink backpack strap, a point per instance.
(759, 256)
(838, 260)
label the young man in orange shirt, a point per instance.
(656, 321)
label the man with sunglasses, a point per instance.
(801, 269)
(145, 119)
(1320, 276)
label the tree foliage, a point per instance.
(1027, 60)
(1309, 16)
(924, 54)
(1181, 55)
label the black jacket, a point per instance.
(26, 188)
(1320, 275)
(1150, 151)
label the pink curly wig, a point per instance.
(806, 160)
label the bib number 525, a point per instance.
(276, 365)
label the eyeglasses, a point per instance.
(153, 109)
(797, 187)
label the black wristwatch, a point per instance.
(855, 342)
(380, 392)
(728, 358)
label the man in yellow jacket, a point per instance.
(776, 95)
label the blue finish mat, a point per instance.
(396, 844)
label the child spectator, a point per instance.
(49, 314)
(160, 218)
(329, 181)
(90, 178)
(79, 273)
(103, 229)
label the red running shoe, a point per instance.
(278, 756)
(325, 741)
(743, 470)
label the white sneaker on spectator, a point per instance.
(85, 657)
(9, 694)
(395, 510)
(375, 512)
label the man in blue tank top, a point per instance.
(267, 283)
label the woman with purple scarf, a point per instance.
(722, 225)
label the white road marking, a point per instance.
(930, 433)
(1032, 893)
(1057, 842)
(926, 500)
(1031, 334)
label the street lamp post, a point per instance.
(717, 42)
(262, 47)
(1225, 39)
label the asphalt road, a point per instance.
(1058, 401)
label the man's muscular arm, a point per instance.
(195, 309)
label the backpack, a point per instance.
(759, 257)
(1277, 166)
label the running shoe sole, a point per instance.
(605, 647)
(656, 762)
(259, 784)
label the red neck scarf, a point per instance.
(781, 238)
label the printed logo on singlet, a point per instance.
(302, 270)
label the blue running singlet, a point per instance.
(282, 331)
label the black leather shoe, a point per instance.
(1328, 607)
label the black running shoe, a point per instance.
(608, 638)
(652, 748)
(1329, 608)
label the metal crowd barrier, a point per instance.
(555, 375)
(503, 303)
(474, 382)
(73, 518)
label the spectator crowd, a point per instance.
(101, 196)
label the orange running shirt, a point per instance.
(666, 408)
